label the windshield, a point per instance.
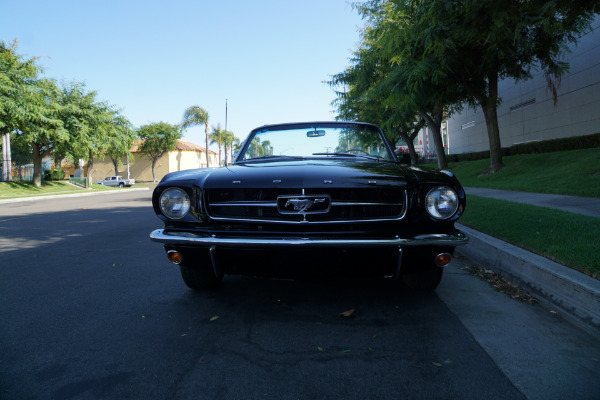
(317, 141)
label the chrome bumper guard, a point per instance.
(457, 238)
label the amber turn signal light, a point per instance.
(443, 259)
(174, 256)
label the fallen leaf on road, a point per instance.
(501, 284)
(214, 318)
(436, 364)
(347, 313)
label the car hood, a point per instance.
(297, 174)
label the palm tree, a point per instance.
(236, 146)
(228, 141)
(266, 148)
(194, 116)
(217, 137)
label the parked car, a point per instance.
(311, 199)
(116, 181)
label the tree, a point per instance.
(475, 43)
(217, 137)
(383, 87)
(228, 141)
(236, 146)
(88, 122)
(42, 129)
(27, 107)
(194, 116)
(78, 113)
(156, 140)
(17, 78)
(120, 140)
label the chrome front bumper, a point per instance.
(457, 238)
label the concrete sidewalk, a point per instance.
(581, 205)
(80, 194)
(571, 293)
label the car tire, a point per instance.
(423, 280)
(121, 185)
(200, 278)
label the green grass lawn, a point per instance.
(9, 190)
(567, 238)
(574, 172)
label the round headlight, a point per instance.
(174, 203)
(441, 202)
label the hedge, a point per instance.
(545, 146)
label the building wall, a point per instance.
(140, 166)
(527, 112)
(180, 160)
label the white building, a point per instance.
(527, 112)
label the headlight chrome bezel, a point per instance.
(174, 203)
(442, 203)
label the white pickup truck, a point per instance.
(116, 181)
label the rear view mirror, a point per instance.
(315, 133)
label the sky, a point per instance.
(267, 59)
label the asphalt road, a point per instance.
(91, 309)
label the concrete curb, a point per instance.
(569, 292)
(58, 196)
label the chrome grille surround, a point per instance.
(346, 205)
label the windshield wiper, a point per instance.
(349, 155)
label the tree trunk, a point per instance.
(414, 159)
(491, 120)
(154, 169)
(435, 123)
(37, 164)
(206, 132)
(115, 162)
(58, 161)
(90, 170)
(488, 101)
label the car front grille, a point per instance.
(345, 204)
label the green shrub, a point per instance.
(54, 175)
(544, 146)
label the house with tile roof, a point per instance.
(185, 156)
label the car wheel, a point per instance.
(423, 280)
(200, 278)
(121, 185)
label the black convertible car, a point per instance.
(311, 199)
